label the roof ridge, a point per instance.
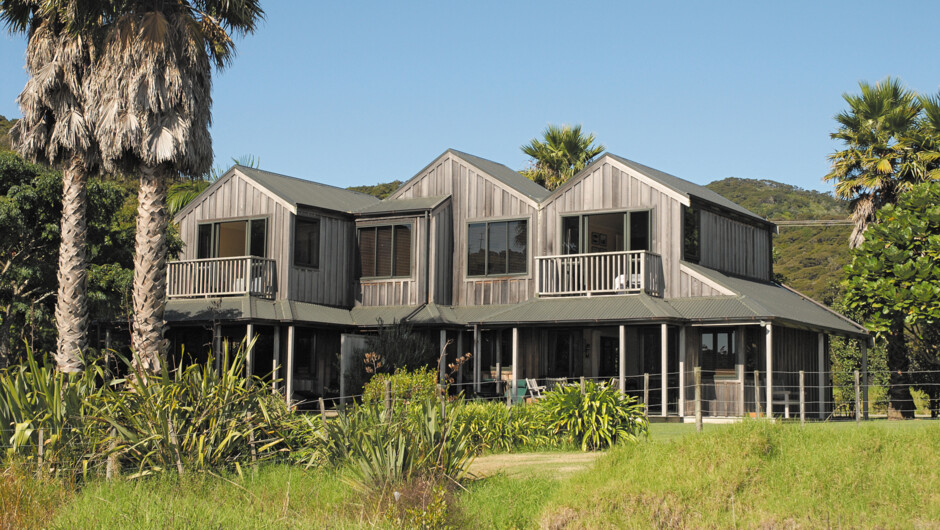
(307, 181)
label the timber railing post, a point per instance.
(41, 448)
(112, 457)
(858, 400)
(697, 374)
(646, 393)
(757, 394)
(322, 411)
(582, 385)
(802, 398)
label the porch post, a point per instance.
(622, 352)
(442, 361)
(276, 365)
(820, 376)
(769, 349)
(681, 371)
(864, 345)
(460, 353)
(664, 350)
(740, 345)
(217, 344)
(290, 369)
(477, 368)
(499, 361)
(249, 356)
(515, 362)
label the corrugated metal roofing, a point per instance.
(584, 309)
(403, 205)
(511, 178)
(686, 188)
(371, 315)
(299, 191)
(235, 308)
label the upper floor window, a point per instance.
(307, 243)
(498, 247)
(385, 251)
(606, 232)
(229, 239)
(691, 228)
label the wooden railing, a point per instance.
(599, 273)
(221, 277)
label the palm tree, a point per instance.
(564, 153)
(150, 98)
(879, 160)
(54, 130)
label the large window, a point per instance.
(606, 232)
(385, 251)
(230, 239)
(691, 228)
(307, 243)
(497, 248)
(718, 349)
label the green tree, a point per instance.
(879, 160)
(894, 282)
(150, 95)
(564, 152)
(55, 130)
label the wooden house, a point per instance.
(624, 273)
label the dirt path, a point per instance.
(541, 465)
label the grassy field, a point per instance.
(882, 474)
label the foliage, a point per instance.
(494, 427)
(395, 346)
(5, 126)
(778, 201)
(600, 417)
(564, 152)
(407, 386)
(27, 501)
(184, 192)
(381, 190)
(894, 282)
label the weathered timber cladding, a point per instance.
(610, 186)
(333, 282)
(442, 254)
(233, 198)
(398, 291)
(735, 247)
(692, 286)
(795, 350)
(476, 196)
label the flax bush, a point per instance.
(600, 417)
(493, 427)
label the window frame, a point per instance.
(582, 239)
(697, 213)
(319, 223)
(486, 260)
(214, 234)
(411, 261)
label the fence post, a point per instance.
(757, 393)
(802, 398)
(582, 385)
(858, 400)
(112, 458)
(698, 398)
(176, 447)
(322, 411)
(646, 393)
(388, 395)
(254, 450)
(443, 403)
(41, 450)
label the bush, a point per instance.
(494, 427)
(600, 417)
(415, 386)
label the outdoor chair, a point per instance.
(535, 390)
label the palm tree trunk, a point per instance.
(150, 271)
(71, 310)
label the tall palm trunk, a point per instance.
(71, 310)
(150, 270)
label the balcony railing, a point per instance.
(599, 273)
(222, 277)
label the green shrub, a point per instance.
(494, 427)
(600, 417)
(407, 386)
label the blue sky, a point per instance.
(352, 93)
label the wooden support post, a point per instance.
(802, 398)
(821, 375)
(477, 358)
(682, 381)
(322, 411)
(176, 446)
(515, 362)
(276, 363)
(583, 386)
(757, 406)
(499, 362)
(698, 398)
(864, 347)
(442, 361)
(388, 396)
(622, 361)
(739, 368)
(254, 451)
(646, 393)
(858, 400)
(769, 350)
(107, 338)
(664, 368)
(111, 469)
(217, 345)
(249, 353)
(460, 352)
(41, 450)
(289, 376)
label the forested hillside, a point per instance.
(380, 190)
(810, 258)
(5, 126)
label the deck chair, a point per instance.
(535, 390)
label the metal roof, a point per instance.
(689, 189)
(306, 192)
(583, 309)
(403, 205)
(235, 308)
(371, 315)
(511, 178)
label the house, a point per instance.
(623, 273)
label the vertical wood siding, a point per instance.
(690, 286)
(333, 282)
(398, 291)
(735, 247)
(475, 196)
(795, 350)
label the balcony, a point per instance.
(602, 273)
(241, 275)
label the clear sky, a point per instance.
(352, 93)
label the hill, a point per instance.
(810, 258)
(5, 126)
(380, 190)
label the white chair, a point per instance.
(535, 390)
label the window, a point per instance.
(307, 243)
(385, 251)
(691, 228)
(497, 248)
(606, 232)
(231, 239)
(718, 350)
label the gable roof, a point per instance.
(389, 206)
(511, 178)
(297, 191)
